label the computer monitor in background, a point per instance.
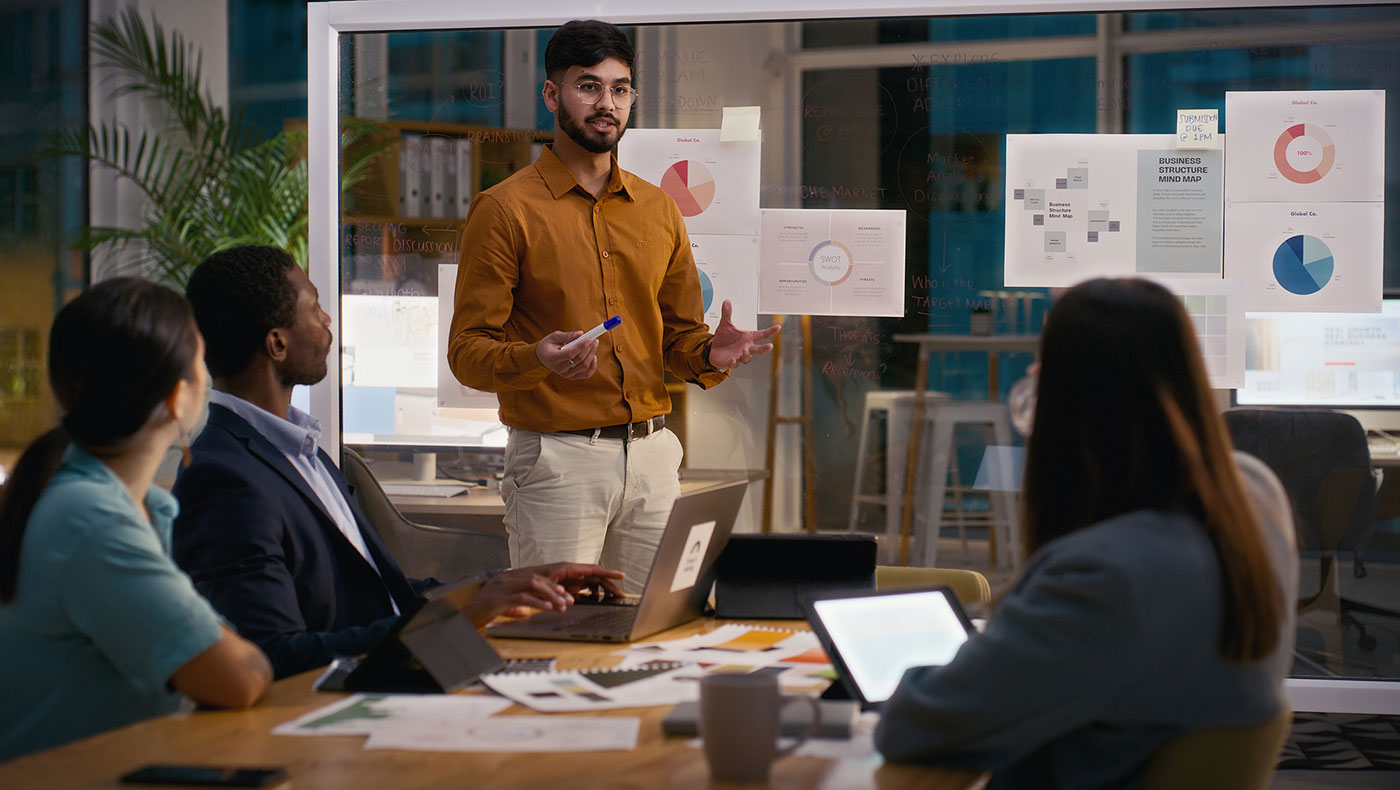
(396, 391)
(1344, 361)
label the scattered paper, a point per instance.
(513, 734)
(363, 714)
(653, 683)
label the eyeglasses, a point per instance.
(591, 92)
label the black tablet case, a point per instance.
(433, 649)
(763, 576)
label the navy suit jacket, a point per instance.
(262, 548)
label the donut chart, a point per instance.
(691, 185)
(831, 262)
(707, 289)
(1308, 144)
(1303, 265)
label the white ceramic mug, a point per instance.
(739, 717)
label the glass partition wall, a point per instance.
(906, 112)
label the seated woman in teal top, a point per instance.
(1157, 598)
(98, 627)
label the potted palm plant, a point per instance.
(210, 181)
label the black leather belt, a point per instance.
(628, 432)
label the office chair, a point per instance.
(1323, 461)
(422, 550)
(1219, 758)
(971, 587)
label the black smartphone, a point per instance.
(206, 775)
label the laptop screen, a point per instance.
(879, 636)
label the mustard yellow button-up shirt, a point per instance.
(540, 254)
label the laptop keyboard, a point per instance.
(607, 618)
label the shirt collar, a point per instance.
(560, 181)
(297, 435)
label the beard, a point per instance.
(589, 140)
(312, 370)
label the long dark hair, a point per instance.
(1124, 421)
(115, 352)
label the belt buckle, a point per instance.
(648, 430)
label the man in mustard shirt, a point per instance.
(557, 248)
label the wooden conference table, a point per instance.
(244, 738)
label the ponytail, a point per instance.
(31, 474)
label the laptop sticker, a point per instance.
(688, 569)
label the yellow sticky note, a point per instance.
(739, 123)
(1197, 128)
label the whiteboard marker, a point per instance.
(597, 331)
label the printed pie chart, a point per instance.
(707, 289)
(690, 184)
(1303, 265)
(1304, 153)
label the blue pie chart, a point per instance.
(1303, 265)
(707, 289)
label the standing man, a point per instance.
(557, 248)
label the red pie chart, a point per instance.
(1304, 153)
(690, 184)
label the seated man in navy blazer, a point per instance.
(268, 528)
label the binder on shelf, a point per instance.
(442, 177)
(466, 181)
(411, 176)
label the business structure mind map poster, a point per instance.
(1092, 205)
(831, 262)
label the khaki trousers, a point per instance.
(572, 498)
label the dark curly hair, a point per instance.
(239, 295)
(584, 42)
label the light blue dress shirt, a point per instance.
(102, 617)
(297, 439)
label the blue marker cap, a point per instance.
(612, 323)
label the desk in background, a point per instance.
(340, 763)
(482, 508)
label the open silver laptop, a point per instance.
(676, 589)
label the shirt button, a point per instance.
(596, 209)
(612, 300)
(618, 348)
(605, 253)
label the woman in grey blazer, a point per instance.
(1157, 597)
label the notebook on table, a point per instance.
(677, 587)
(872, 638)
